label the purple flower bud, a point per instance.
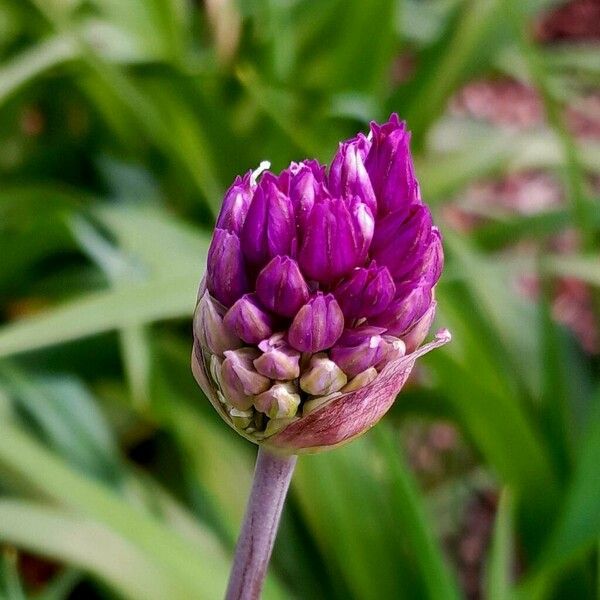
(306, 183)
(336, 238)
(365, 292)
(322, 377)
(239, 380)
(390, 166)
(269, 228)
(308, 253)
(348, 177)
(400, 240)
(416, 335)
(393, 349)
(357, 350)
(235, 204)
(279, 360)
(411, 303)
(225, 272)
(430, 267)
(280, 401)
(248, 320)
(210, 329)
(317, 325)
(280, 286)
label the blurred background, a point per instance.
(122, 122)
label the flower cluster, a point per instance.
(319, 290)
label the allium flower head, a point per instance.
(319, 292)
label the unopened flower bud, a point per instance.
(358, 349)
(418, 332)
(236, 203)
(210, 329)
(348, 176)
(322, 377)
(393, 349)
(241, 418)
(337, 238)
(318, 324)
(390, 167)
(306, 183)
(342, 263)
(239, 378)
(411, 304)
(269, 227)
(361, 380)
(410, 229)
(280, 286)
(365, 292)
(279, 360)
(281, 400)
(248, 320)
(226, 275)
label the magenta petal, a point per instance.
(280, 286)
(390, 166)
(225, 272)
(365, 292)
(348, 177)
(358, 351)
(248, 320)
(269, 227)
(336, 238)
(235, 204)
(318, 324)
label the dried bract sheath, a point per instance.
(318, 294)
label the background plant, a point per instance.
(121, 124)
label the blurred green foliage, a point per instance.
(121, 124)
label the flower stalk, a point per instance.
(272, 476)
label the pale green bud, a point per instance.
(279, 401)
(362, 379)
(241, 418)
(322, 377)
(239, 380)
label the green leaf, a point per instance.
(99, 312)
(202, 571)
(579, 524)
(415, 523)
(167, 289)
(24, 68)
(500, 565)
(68, 416)
(91, 547)
(467, 40)
(9, 575)
(344, 498)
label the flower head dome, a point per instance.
(319, 292)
